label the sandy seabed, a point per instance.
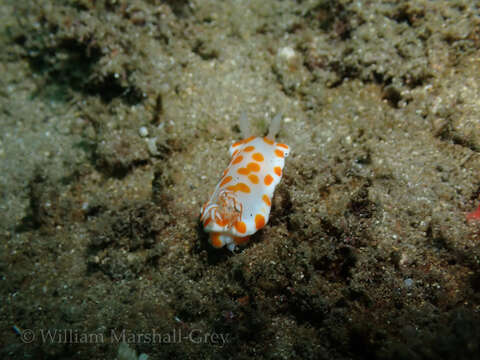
(116, 119)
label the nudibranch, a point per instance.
(240, 204)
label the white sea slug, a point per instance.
(240, 204)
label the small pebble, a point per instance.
(408, 282)
(287, 53)
(143, 131)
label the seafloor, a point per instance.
(116, 117)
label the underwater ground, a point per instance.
(116, 117)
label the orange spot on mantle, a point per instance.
(253, 178)
(266, 200)
(215, 240)
(238, 159)
(257, 157)
(268, 179)
(243, 171)
(253, 166)
(225, 181)
(241, 227)
(259, 221)
(279, 153)
(239, 187)
(268, 141)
